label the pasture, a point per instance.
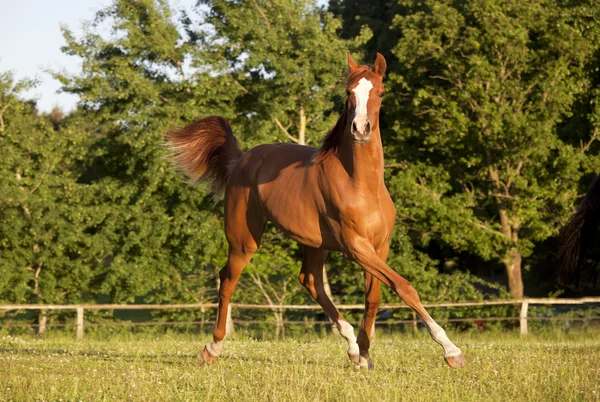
(556, 366)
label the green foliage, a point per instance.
(487, 85)
(283, 62)
(485, 162)
(159, 234)
(46, 255)
(490, 129)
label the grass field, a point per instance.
(502, 367)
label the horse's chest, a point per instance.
(371, 220)
(378, 228)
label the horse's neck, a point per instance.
(363, 162)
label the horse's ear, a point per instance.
(380, 65)
(351, 63)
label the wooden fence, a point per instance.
(522, 318)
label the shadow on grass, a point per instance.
(173, 359)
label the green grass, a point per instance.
(502, 367)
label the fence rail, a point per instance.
(80, 311)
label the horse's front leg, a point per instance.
(311, 277)
(372, 301)
(361, 251)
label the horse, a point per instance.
(331, 198)
(578, 261)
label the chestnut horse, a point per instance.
(329, 199)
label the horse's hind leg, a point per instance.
(243, 236)
(311, 277)
(229, 276)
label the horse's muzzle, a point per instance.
(361, 130)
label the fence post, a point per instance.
(229, 322)
(523, 317)
(79, 327)
(203, 311)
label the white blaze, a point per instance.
(361, 92)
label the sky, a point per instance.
(30, 42)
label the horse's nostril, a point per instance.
(354, 127)
(368, 127)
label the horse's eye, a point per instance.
(347, 92)
(381, 94)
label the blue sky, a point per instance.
(31, 40)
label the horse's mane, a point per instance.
(333, 139)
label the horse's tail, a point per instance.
(576, 239)
(206, 151)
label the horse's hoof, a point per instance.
(456, 361)
(354, 359)
(366, 363)
(206, 358)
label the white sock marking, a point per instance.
(347, 332)
(215, 348)
(439, 335)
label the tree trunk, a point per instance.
(512, 263)
(302, 127)
(510, 226)
(42, 321)
(279, 327)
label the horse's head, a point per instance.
(365, 89)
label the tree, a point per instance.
(46, 256)
(486, 85)
(157, 233)
(371, 17)
(285, 60)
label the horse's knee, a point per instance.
(371, 308)
(408, 292)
